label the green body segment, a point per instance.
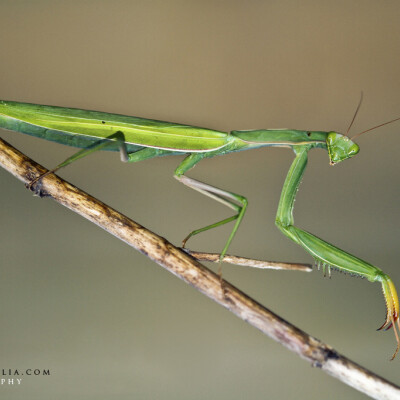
(82, 128)
(139, 139)
(282, 137)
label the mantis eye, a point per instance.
(353, 150)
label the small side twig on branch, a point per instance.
(249, 262)
(192, 272)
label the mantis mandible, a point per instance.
(139, 139)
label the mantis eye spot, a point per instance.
(354, 150)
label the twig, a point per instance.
(188, 269)
(249, 262)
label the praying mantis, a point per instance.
(139, 139)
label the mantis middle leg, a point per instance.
(227, 198)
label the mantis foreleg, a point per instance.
(325, 253)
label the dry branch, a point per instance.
(192, 272)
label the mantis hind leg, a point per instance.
(99, 145)
(232, 200)
(141, 154)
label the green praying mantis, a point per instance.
(139, 139)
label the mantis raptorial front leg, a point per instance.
(229, 199)
(326, 254)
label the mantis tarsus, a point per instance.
(138, 139)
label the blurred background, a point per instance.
(105, 320)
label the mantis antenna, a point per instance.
(355, 114)
(370, 129)
(375, 127)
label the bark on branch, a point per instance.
(184, 266)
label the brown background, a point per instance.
(105, 320)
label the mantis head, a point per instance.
(340, 147)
